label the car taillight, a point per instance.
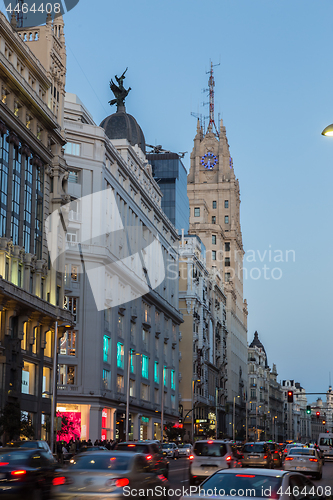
(58, 481)
(245, 475)
(285, 451)
(313, 460)
(162, 478)
(265, 456)
(149, 457)
(228, 458)
(119, 482)
(191, 457)
(210, 442)
(17, 473)
(4, 463)
(289, 458)
(276, 451)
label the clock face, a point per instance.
(209, 161)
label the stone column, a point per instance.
(95, 423)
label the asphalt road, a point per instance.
(179, 472)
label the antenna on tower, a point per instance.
(211, 85)
(19, 15)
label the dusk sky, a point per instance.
(272, 91)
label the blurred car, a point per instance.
(26, 473)
(84, 449)
(171, 450)
(112, 474)
(276, 453)
(40, 444)
(257, 454)
(207, 457)
(257, 483)
(184, 449)
(304, 460)
(152, 451)
(289, 446)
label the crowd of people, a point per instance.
(64, 450)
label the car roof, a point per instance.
(11, 449)
(260, 472)
(121, 453)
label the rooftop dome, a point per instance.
(121, 125)
(257, 343)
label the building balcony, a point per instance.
(74, 216)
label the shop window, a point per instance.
(68, 343)
(28, 378)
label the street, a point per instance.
(178, 476)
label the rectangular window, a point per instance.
(120, 325)
(214, 204)
(213, 239)
(107, 379)
(226, 203)
(67, 343)
(4, 158)
(48, 343)
(213, 255)
(173, 401)
(226, 219)
(75, 273)
(173, 379)
(66, 375)
(144, 392)
(145, 366)
(106, 349)
(120, 383)
(72, 148)
(46, 390)
(165, 376)
(70, 303)
(227, 246)
(132, 388)
(28, 379)
(145, 339)
(39, 201)
(156, 372)
(16, 192)
(213, 219)
(197, 212)
(227, 261)
(27, 205)
(120, 355)
(226, 277)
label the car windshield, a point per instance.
(184, 446)
(13, 458)
(210, 449)
(136, 448)
(271, 446)
(249, 485)
(167, 445)
(253, 448)
(326, 442)
(302, 451)
(102, 462)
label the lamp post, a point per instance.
(162, 400)
(193, 389)
(234, 418)
(54, 382)
(130, 352)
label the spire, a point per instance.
(211, 85)
(48, 18)
(13, 21)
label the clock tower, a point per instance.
(214, 195)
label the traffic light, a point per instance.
(290, 397)
(318, 414)
(324, 422)
(308, 409)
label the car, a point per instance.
(289, 446)
(39, 443)
(304, 460)
(171, 450)
(276, 453)
(185, 449)
(83, 449)
(152, 451)
(26, 473)
(325, 442)
(209, 456)
(112, 474)
(255, 483)
(257, 454)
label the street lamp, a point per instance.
(162, 401)
(234, 417)
(328, 131)
(130, 352)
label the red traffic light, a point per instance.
(290, 397)
(318, 414)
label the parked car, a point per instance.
(276, 453)
(26, 473)
(111, 474)
(257, 454)
(185, 449)
(171, 450)
(266, 484)
(304, 460)
(152, 451)
(209, 456)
